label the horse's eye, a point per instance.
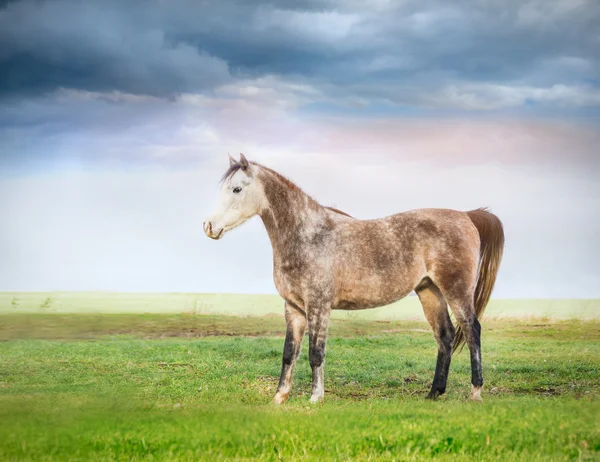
(237, 190)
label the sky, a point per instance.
(116, 119)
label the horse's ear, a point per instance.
(244, 162)
(232, 161)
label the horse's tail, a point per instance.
(491, 234)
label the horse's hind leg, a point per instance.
(436, 312)
(296, 326)
(464, 311)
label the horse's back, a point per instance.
(440, 235)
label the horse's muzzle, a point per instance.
(208, 230)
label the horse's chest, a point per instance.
(295, 279)
(288, 282)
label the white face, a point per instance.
(241, 198)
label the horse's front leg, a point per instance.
(318, 324)
(296, 326)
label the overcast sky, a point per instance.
(116, 119)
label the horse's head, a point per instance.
(241, 198)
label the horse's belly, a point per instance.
(371, 293)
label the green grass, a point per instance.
(198, 387)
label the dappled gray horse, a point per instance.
(324, 259)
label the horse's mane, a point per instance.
(286, 181)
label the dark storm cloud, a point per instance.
(96, 47)
(397, 52)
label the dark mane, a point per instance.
(230, 172)
(286, 181)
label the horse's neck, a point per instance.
(290, 213)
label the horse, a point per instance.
(324, 259)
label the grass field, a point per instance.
(259, 305)
(198, 387)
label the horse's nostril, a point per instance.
(209, 227)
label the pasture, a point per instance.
(80, 381)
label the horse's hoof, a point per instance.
(281, 398)
(476, 394)
(316, 399)
(435, 393)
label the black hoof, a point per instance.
(435, 394)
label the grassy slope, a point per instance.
(156, 386)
